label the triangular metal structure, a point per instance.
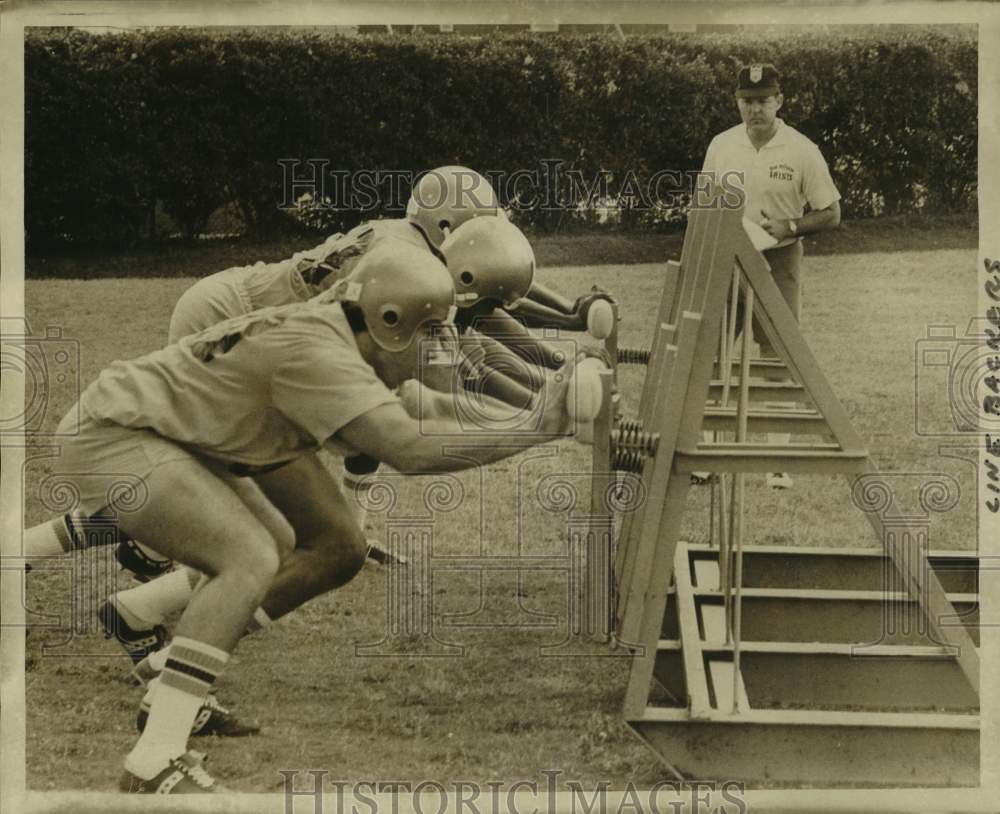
(867, 708)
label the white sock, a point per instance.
(158, 660)
(186, 679)
(47, 539)
(153, 600)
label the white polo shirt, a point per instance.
(780, 179)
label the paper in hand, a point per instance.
(761, 240)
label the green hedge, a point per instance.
(119, 127)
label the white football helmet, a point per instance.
(399, 289)
(446, 197)
(489, 258)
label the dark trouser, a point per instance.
(785, 263)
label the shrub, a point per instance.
(189, 120)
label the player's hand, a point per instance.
(555, 419)
(582, 304)
(594, 352)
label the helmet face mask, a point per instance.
(446, 197)
(440, 344)
(489, 258)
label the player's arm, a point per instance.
(504, 328)
(536, 316)
(497, 371)
(545, 296)
(487, 367)
(424, 403)
(411, 445)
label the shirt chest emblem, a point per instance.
(781, 172)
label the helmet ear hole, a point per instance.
(466, 277)
(390, 315)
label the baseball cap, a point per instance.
(757, 80)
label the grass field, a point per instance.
(495, 709)
(570, 247)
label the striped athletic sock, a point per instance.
(80, 531)
(74, 531)
(190, 670)
(157, 660)
(66, 528)
(48, 539)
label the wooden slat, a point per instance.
(650, 531)
(824, 750)
(834, 595)
(726, 680)
(836, 551)
(670, 290)
(635, 521)
(598, 584)
(691, 254)
(758, 368)
(817, 717)
(611, 341)
(839, 568)
(860, 618)
(652, 616)
(749, 459)
(695, 678)
(786, 337)
(924, 586)
(654, 562)
(761, 390)
(902, 651)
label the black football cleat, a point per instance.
(212, 719)
(131, 557)
(137, 643)
(183, 775)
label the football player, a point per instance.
(166, 442)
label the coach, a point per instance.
(787, 186)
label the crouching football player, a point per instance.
(254, 395)
(441, 202)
